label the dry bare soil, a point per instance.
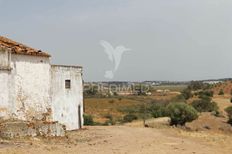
(124, 139)
(130, 138)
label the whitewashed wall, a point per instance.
(4, 93)
(65, 102)
(33, 87)
(4, 83)
(30, 95)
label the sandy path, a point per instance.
(120, 140)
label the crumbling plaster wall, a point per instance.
(30, 84)
(30, 88)
(65, 102)
(4, 82)
(4, 93)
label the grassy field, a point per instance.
(104, 109)
(170, 87)
(101, 108)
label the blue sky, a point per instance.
(171, 39)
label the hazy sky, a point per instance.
(171, 39)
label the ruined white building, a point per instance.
(31, 88)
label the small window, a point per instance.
(67, 84)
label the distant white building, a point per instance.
(212, 82)
(32, 88)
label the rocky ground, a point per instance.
(124, 139)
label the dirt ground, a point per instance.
(132, 138)
(124, 139)
(223, 102)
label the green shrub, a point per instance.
(205, 105)
(88, 120)
(206, 98)
(206, 93)
(229, 112)
(186, 94)
(158, 110)
(129, 118)
(180, 113)
(221, 92)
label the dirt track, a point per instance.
(125, 139)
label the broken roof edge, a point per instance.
(19, 48)
(74, 66)
(32, 54)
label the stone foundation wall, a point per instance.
(19, 129)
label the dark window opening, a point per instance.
(67, 84)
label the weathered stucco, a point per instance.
(25, 86)
(31, 81)
(4, 93)
(67, 103)
(30, 88)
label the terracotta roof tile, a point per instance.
(18, 48)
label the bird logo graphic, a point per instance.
(114, 55)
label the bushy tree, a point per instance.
(205, 105)
(206, 93)
(158, 110)
(186, 93)
(229, 112)
(180, 113)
